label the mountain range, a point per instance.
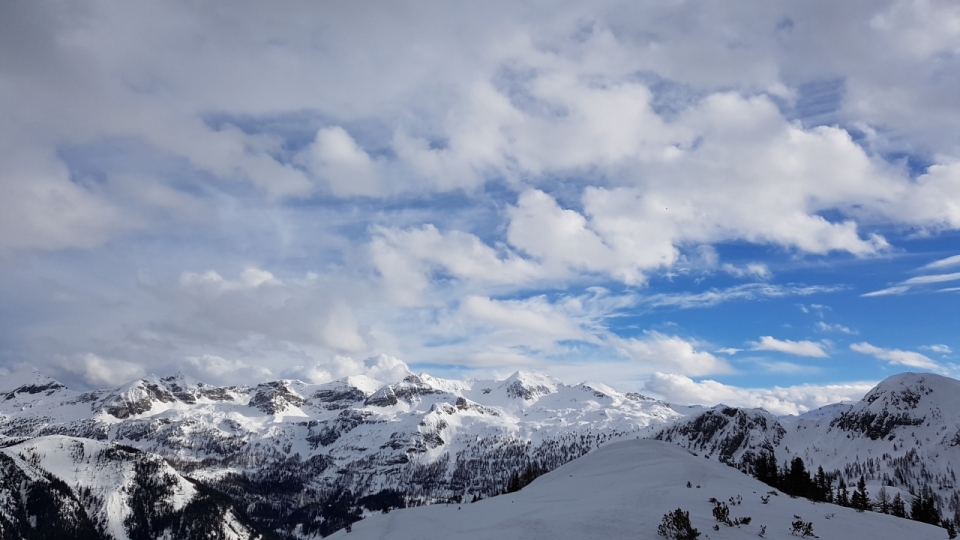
(286, 459)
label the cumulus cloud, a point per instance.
(799, 348)
(102, 372)
(215, 369)
(656, 349)
(347, 168)
(384, 368)
(449, 171)
(790, 400)
(897, 356)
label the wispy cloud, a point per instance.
(938, 348)
(897, 356)
(749, 291)
(798, 348)
(949, 262)
(834, 327)
(908, 284)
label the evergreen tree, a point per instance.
(924, 508)
(513, 484)
(765, 468)
(795, 480)
(950, 527)
(860, 499)
(843, 496)
(823, 486)
(897, 508)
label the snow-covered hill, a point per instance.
(622, 491)
(904, 435)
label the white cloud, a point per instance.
(799, 348)
(897, 356)
(192, 136)
(896, 289)
(748, 291)
(673, 352)
(728, 351)
(102, 372)
(406, 260)
(530, 320)
(753, 270)
(214, 369)
(940, 264)
(935, 278)
(347, 168)
(384, 368)
(938, 348)
(790, 400)
(834, 327)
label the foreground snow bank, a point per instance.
(622, 491)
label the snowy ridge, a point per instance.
(903, 435)
(622, 491)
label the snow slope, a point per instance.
(904, 434)
(104, 491)
(622, 491)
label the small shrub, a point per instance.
(802, 528)
(676, 526)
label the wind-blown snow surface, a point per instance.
(622, 491)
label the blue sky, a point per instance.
(756, 204)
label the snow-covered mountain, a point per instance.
(904, 435)
(290, 459)
(300, 457)
(622, 491)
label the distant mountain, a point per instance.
(290, 460)
(302, 460)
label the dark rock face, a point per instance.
(886, 408)
(725, 431)
(874, 425)
(339, 398)
(125, 406)
(274, 397)
(384, 397)
(517, 389)
(33, 389)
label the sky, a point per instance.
(756, 203)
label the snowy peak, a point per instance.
(342, 393)
(276, 397)
(906, 399)
(137, 398)
(28, 384)
(529, 386)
